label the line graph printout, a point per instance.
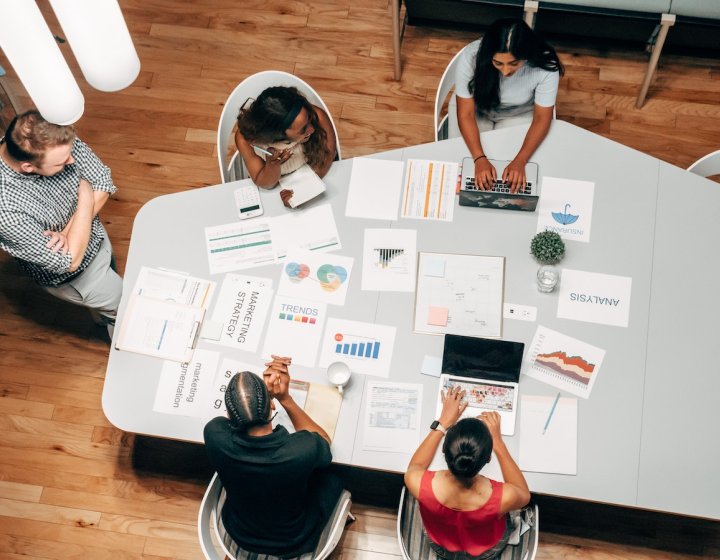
(389, 257)
(429, 190)
(563, 362)
(366, 348)
(459, 294)
(239, 245)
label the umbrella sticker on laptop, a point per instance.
(564, 217)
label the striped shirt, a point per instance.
(518, 92)
(31, 204)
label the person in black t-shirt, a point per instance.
(279, 493)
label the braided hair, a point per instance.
(467, 449)
(247, 400)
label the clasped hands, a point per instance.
(277, 377)
(514, 174)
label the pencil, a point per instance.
(261, 150)
(552, 410)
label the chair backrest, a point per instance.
(447, 82)
(415, 545)
(252, 86)
(210, 538)
(707, 166)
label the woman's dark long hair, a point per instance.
(247, 400)
(467, 449)
(510, 35)
(266, 120)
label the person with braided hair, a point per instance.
(279, 494)
(464, 513)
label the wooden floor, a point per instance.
(73, 486)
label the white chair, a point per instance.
(447, 126)
(415, 545)
(214, 549)
(252, 86)
(707, 166)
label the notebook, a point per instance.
(488, 370)
(500, 197)
(304, 183)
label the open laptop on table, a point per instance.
(500, 197)
(488, 370)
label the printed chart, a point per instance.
(239, 245)
(429, 190)
(294, 329)
(365, 347)
(317, 276)
(389, 257)
(563, 362)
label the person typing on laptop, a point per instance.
(507, 78)
(463, 511)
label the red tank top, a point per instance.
(472, 531)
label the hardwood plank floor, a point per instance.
(73, 486)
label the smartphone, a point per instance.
(247, 200)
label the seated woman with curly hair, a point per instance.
(280, 132)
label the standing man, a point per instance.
(52, 187)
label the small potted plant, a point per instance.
(548, 248)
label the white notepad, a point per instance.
(304, 183)
(555, 451)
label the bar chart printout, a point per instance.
(365, 347)
(384, 257)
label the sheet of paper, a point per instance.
(566, 208)
(594, 298)
(563, 362)
(432, 365)
(295, 329)
(159, 328)
(366, 347)
(228, 368)
(239, 245)
(429, 190)
(169, 285)
(242, 307)
(392, 417)
(186, 388)
(468, 288)
(316, 276)
(374, 189)
(555, 450)
(313, 229)
(389, 260)
(304, 183)
(323, 406)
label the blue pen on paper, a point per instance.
(552, 411)
(261, 150)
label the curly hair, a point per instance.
(509, 35)
(267, 119)
(28, 136)
(247, 400)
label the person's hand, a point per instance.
(492, 421)
(277, 377)
(485, 174)
(278, 157)
(514, 174)
(285, 196)
(453, 407)
(58, 241)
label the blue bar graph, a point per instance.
(357, 346)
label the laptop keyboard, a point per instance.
(499, 186)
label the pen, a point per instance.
(261, 150)
(552, 410)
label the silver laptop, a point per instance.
(488, 371)
(499, 196)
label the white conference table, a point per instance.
(645, 436)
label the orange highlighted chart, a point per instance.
(563, 362)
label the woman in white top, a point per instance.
(508, 77)
(280, 132)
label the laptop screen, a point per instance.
(482, 358)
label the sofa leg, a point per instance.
(666, 21)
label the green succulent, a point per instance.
(547, 247)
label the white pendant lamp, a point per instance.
(100, 40)
(31, 49)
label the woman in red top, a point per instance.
(462, 511)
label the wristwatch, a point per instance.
(436, 425)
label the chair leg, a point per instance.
(666, 21)
(530, 10)
(350, 519)
(396, 36)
